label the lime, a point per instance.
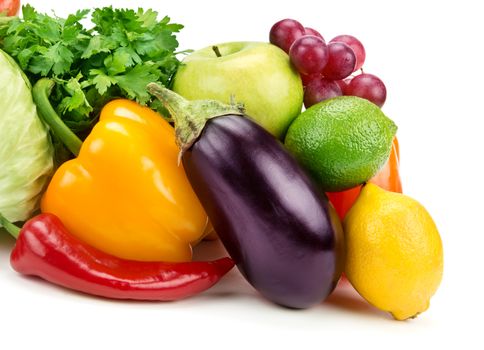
(342, 141)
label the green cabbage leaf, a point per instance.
(26, 151)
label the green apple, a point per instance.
(257, 74)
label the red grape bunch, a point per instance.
(326, 68)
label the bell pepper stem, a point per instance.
(41, 92)
(11, 228)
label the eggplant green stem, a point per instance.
(41, 92)
(11, 228)
(190, 117)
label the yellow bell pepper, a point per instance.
(125, 193)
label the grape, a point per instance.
(367, 86)
(356, 45)
(343, 84)
(341, 61)
(285, 32)
(306, 79)
(320, 89)
(309, 54)
(311, 31)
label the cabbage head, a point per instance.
(26, 152)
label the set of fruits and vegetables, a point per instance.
(120, 159)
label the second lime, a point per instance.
(342, 141)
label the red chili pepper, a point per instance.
(46, 249)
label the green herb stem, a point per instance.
(11, 228)
(41, 92)
(5, 20)
(93, 56)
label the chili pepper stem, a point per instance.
(190, 117)
(11, 228)
(40, 93)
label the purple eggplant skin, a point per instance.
(273, 220)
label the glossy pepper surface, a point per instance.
(45, 248)
(125, 193)
(387, 178)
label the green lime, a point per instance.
(342, 141)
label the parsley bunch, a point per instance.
(118, 56)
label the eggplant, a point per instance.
(274, 222)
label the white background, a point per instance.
(430, 55)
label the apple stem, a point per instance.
(216, 50)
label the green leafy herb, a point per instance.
(117, 56)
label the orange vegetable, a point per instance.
(9, 7)
(125, 193)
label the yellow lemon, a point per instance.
(394, 252)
